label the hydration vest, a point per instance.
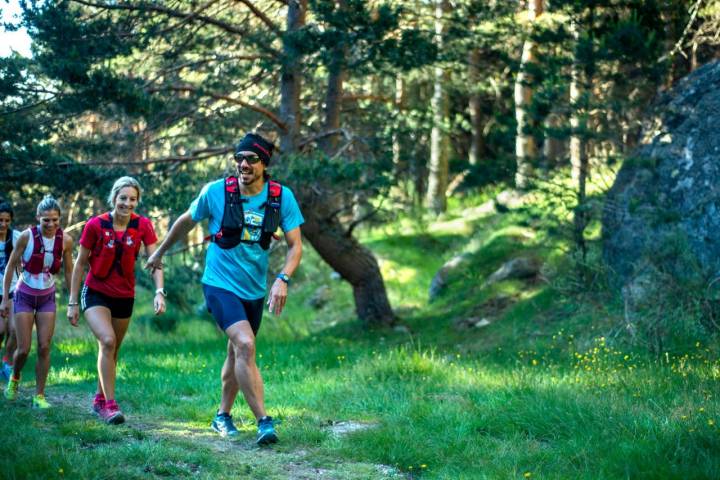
(111, 254)
(36, 264)
(233, 221)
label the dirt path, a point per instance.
(278, 462)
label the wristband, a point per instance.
(73, 304)
(284, 277)
(161, 291)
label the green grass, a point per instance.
(550, 389)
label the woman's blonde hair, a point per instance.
(48, 203)
(121, 183)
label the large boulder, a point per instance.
(662, 215)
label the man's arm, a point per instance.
(278, 292)
(179, 229)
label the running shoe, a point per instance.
(39, 401)
(223, 424)
(11, 390)
(266, 431)
(98, 403)
(111, 413)
(5, 372)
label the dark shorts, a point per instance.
(119, 307)
(29, 303)
(228, 309)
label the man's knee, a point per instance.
(244, 348)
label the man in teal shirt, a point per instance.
(236, 268)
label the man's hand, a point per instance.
(278, 295)
(73, 314)
(159, 304)
(154, 262)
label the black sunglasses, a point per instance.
(251, 159)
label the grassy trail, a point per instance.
(548, 389)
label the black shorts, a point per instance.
(119, 307)
(228, 309)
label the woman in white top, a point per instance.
(40, 250)
(8, 239)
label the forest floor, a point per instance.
(521, 378)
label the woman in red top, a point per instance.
(110, 244)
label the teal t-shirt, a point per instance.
(243, 268)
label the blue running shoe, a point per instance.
(6, 372)
(223, 424)
(266, 431)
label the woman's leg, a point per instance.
(23, 333)
(45, 323)
(100, 323)
(11, 342)
(120, 327)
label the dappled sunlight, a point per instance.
(69, 374)
(393, 271)
(76, 347)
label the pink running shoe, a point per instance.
(98, 403)
(111, 413)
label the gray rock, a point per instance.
(508, 200)
(472, 322)
(320, 297)
(440, 279)
(401, 329)
(521, 267)
(663, 208)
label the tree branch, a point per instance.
(256, 108)
(194, 156)
(147, 7)
(261, 16)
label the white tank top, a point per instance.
(44, 279)
(5, 258)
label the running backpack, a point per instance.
(110, 254)
(233, 221)
(36, 264)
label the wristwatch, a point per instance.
(284, 277)
(161, 291)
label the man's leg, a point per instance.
(240, 361)
(230, 387)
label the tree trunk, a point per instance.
(579, 85)
(341, 251)
(525, 147)
(290, 80)
(477, 141)
(439, 141)
(554, 148)
(399, 166)
(354, 263)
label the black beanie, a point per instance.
(252, 142)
